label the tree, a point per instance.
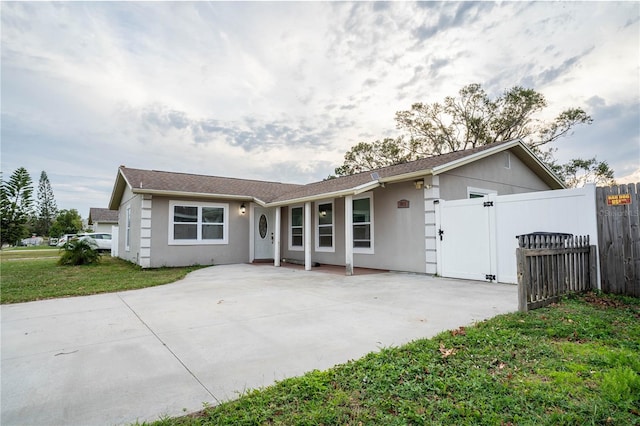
(67, 222)
(47, 209)
(15, 204)
(469, 120)
(577, 172)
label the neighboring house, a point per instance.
(382, 219)
(101, 220)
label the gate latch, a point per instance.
(488, 204)
(490, 277)
(440, 232)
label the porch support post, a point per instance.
(276, 239)
(307, 236)
(348, 234)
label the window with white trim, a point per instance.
(507, 160)
(324, 226)
(198, 223)
(363, 224)
(127, 234)
(296, 229)
(479, 192)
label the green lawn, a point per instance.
(28, 274)
(575, 363)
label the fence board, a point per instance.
(550, 266)
(619, 240)
(633, 288)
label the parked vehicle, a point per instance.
(66, 237)
(53, 241)
(103, 240)
(33, 241)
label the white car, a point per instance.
(63, 240)
(103, 241)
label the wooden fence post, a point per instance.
(523, 281)
(593, 268)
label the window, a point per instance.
(507, 160)
(127, 235)
(202, 223)
(479, 192)
(363, 224)
(324, 223)
(296, 233)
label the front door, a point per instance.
(263, 230)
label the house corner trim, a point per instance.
(145, 231)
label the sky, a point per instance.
(280, 91)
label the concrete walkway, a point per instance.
(137, 355)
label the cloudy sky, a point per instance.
(279, 91)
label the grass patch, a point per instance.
(577, 362)
(34, 275)
(29, 253)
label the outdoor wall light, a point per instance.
(418, 183)
(243, 208)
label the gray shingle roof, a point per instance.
(353, 181)
(201, 184)
(102, 215)
(276, 192)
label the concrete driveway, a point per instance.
(137, 355)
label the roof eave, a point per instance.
(533, 162)
(118, 189)
(323, 196)
(187, 194)
(407, 176)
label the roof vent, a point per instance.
(375, 176)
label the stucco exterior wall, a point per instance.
(129, 199)
(398, 233)
(491, 174)
(163, 254)
(103, 227)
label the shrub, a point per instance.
(79, 252)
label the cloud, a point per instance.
(452, 15)
(284, 89)
(614, 136)
(551, 74)
(248, 133)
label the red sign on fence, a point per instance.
(619, 199)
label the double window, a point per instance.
(363, 224)
(201, 223)
(324, 225)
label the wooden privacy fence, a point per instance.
(619, 238)
(551, 265)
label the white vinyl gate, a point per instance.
(465, 240)
(476, 238)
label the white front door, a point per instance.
(263, 233)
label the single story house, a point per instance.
(382, 219)
(101, 220)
